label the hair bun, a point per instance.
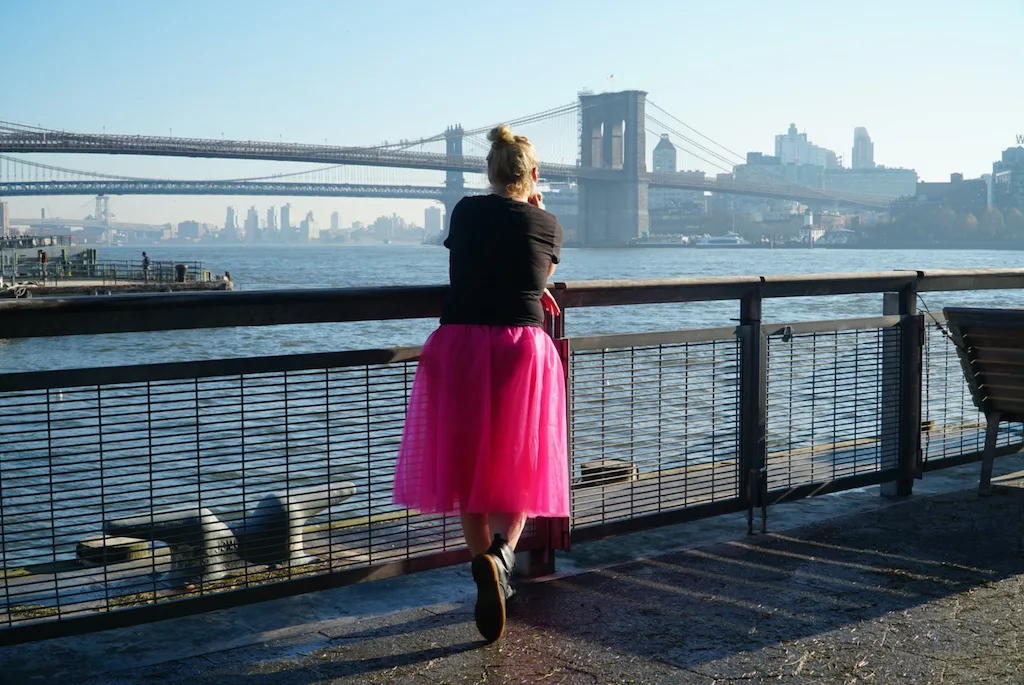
(501, 134)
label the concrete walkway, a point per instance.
(848, 588)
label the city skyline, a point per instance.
(794, 147)
(898, 88)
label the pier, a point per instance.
(726, 429)
(55, 266)
(848, 587)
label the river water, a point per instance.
(255, 268)
(68, 459)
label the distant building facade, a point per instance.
(962, 196)
(252, 224)
(665, 156)
(878, 181)
(863, 149)
(286, 217)
(794, 148)
(1007, 180)
(272, 221)
(433, 220)
(190, 230)
(308, 229)
(5, 220)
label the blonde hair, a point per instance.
(510, 162)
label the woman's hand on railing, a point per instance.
(547, 302)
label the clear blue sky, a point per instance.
(936, 83)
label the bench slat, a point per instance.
(1002, 356)
(1003, 376)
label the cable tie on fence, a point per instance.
(942, 329)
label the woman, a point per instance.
(485, 432)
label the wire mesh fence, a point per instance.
(833, 408)
(654, 427)
(178, 484)
(136, 486)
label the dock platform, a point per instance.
(76, 287)
(845, 588)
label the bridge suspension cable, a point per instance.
(14, 169)
(753, 169)
(71, 172)
(687, 126)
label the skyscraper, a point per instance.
(794, 148)
(286, 217)
(272, 221)
(664, 156)
(252, 224)
(308, 230)
(335, 221)
(433, 220)
(5, 220)
(863, 149)
(230, 224)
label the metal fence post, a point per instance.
(753, 409)
(901, 393)
(552, 532)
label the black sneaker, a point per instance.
(492, 573)
(507, 556)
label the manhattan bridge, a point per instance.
(597, 143)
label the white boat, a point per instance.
(660, 241)
(727, 240)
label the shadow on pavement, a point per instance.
(707, 604)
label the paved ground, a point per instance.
(857, 589)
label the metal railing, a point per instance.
(34, 241)
(135, 493)
(108, 271)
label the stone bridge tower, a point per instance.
(613, 151)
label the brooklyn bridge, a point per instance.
(597, 145)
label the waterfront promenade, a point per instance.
(844, 588)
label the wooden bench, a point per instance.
(990, 345)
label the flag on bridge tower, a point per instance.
(611, 77)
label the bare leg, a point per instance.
(476, 532)
(478, 529)
(509, 526)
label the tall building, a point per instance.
(1007, 182)
(252, 224)
(433, 220)
(190, 230)
(5, 220)
(794, 148)
(230, 223)
(286, 217)
(664, 156)
(335, 221)
(863, 149)
(272, 221)
(308, 229)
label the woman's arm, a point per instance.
(546, 296)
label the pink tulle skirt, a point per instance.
(485, 430)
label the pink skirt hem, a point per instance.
(485, 430)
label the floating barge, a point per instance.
(52, 266)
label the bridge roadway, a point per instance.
(262, 188)
(78, 143)
(403, 192)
